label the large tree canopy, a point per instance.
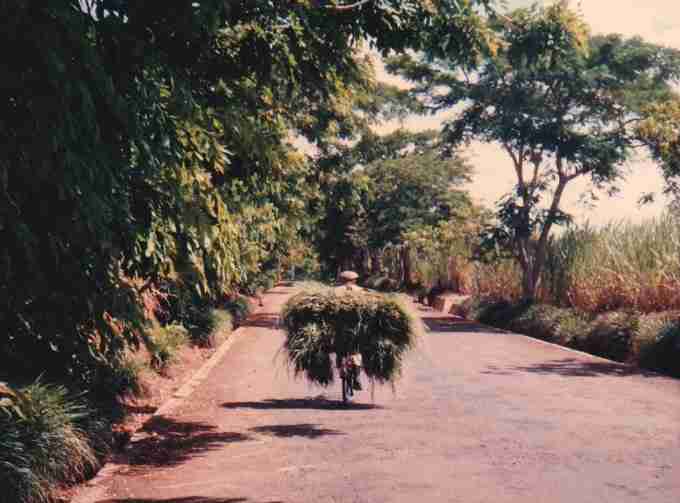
(147, 142)
(561, 103)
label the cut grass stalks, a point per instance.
(325, 325)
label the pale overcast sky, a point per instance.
(657, 21)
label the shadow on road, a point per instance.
(263, 320)
(168, 443)
(300, 404)
(277, 291)
(305, 430)
(574, 367)
(188, 499)
(457, 325)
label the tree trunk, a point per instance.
(406, 266)
(365, 262)
(530, 282)
(376, 265)
(532, 266)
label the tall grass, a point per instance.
(43, 442)
(630, 266)
(621, 266)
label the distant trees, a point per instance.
(391, 185)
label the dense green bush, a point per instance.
(164, 343)
(651, 341)
(186, 307)
(239, 307)
(561, 326)
(43, 441)
(223, 325)
(611, 335)
(482, 309)
(116, 378)
(659, 349)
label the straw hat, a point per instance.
(347, 276)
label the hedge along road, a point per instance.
(478, 416)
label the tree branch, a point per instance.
(516, 162)
(534, 178)
(545, 232)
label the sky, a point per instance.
(656, 21)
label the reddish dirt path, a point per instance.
(478, 416)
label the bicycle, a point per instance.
(350, 368)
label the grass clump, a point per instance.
(324, 324)
(164, 343)
(658, 344)
(612, 336)
(223, 323)
(119, 377)
(483, 309)
(650, 341)
(43, 442)
(549, 323)
(239, 308)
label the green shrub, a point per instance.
(549, 323)
(164, 343)
(43, 441)
(240, 309)
(223, 322)
(263, 281)
(612, 336)
(486, 310)
(659, 346)
(650, 341)
(185, 307)
(117, 378)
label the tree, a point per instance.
(561, 103)
(147, 142)
(387, 186)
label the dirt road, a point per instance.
(479, 416)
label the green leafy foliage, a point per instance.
(164, 343)
(386, 187)
(239, 308)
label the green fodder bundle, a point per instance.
(324, 323)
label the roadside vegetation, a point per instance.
(611, 291)
(563, 104)
(151, 183)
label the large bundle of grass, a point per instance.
(325, 324)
